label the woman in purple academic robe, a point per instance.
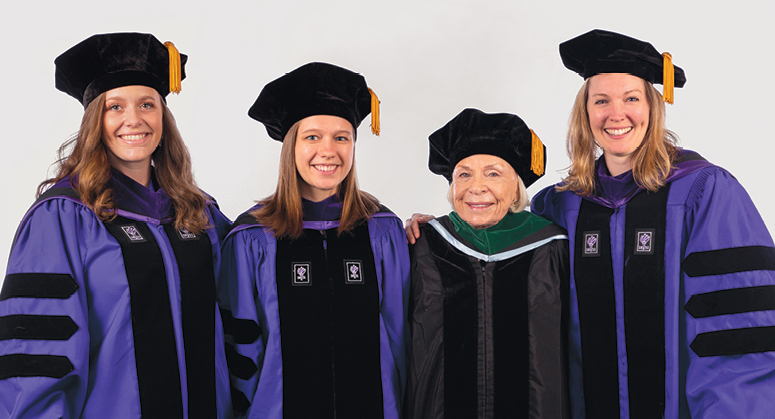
(316, 276)
(108, 307)
(673, 285)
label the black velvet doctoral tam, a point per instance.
(108, 61)
(475, 132)
(312, 89)
(599, 51)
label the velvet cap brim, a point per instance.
(312, 89)
(108, 61)
(475, 132)
(599, 51)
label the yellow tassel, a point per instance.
(175, 70)
(537, 155)
(374, 112)
(668, 78)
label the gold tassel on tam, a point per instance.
(176, 75)
(537, 155)
(668, 78)
(374, 112)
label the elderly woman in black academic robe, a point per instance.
(489, 282)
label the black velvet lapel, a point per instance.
(194, 257)
(304, 300)
(510, 336)
(597, 310)
(156, 356)
(460, 329)
(329, 317)
(644, 302)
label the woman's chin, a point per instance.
(480, 218)
(479, 223)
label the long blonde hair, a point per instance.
(652, 161)
(282, 211)
(84, 158)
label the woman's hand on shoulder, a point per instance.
(412, 226)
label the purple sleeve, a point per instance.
(48, 244)
(217, 233)
(221, 223)
(722, 221)
(548, 204)
(391, 255)
(246, 259)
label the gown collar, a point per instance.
(615, 191)
(510, 229)
(134, 198)
(329, 209)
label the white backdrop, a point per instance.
(427, 60)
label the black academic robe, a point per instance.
(488, 331)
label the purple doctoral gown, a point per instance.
(112, 319)
(318, 322)
(672, 297)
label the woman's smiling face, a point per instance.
(131, 127)
(618, 113)
(324, 155)
(483, 188)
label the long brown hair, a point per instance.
(282, 212)
(84, 156)
(651, 161)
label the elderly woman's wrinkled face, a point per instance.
(483, 188)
